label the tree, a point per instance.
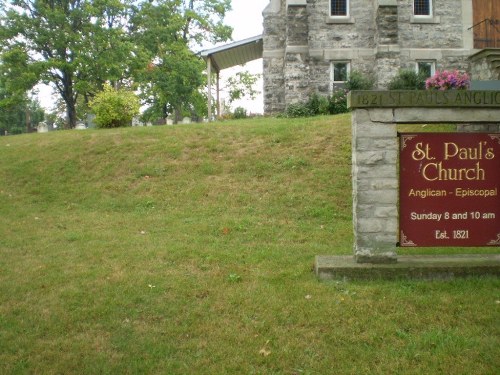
(17, 110)
(172, 79)
(76, 45)
(79, 45)
(241, 85)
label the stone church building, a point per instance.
(312, 45)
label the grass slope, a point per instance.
(188, 250)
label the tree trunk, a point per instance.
(28, 119)
(69, 99)
(71, 114)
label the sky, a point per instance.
(246, 20)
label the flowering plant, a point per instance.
(448, 80)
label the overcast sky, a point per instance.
(246, 20)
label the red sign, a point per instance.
(449, 189)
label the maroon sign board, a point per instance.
(449, 189)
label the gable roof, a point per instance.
(236, 53)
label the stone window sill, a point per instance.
(425, 19)
(339, 20)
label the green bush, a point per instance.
(333, 104)
(16, 130)
(239, 113)
(338, 102)
(114, 108)
(407, 80)
(298, 110)
(358, 81)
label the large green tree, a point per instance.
(172, 79)
(75, 45)
(79, 45)
(18, 112)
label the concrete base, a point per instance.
(425, 267)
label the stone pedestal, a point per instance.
(375, 154)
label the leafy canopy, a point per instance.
(79, 45)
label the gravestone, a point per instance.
(42, 127)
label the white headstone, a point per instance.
(80, 126)
(42, 127)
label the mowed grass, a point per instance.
(189, 250)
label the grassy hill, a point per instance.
(188, 250)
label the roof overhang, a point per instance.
(233, 54)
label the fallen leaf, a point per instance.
(264, 352)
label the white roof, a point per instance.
(236, 53)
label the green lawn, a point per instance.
(189, 250)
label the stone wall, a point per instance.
(274, 38)
(379, 38)
(375, 150)
(485, 65)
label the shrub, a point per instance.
(338, 102)
(16, 130)
(114, 108)
(313, 104)
(407, 80)
(358, 81)
(446, 80)
(297, 110)
(239, 113)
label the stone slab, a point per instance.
(423, 99)
(424, 267)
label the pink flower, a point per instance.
(446, 80)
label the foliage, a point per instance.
(359, 81)
(448, 80)
(336, 103)
(295, 110)
(314, 104)
(18, 112)
(171, 77)
(407, 79)
(79, 45)
(240, 113)
(242, 85)
(114, 108)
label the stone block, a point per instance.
(374, 130)
(362, 143)
(377, 225)
(375, 257)
(383, 197)
(386, 212)
(364, 173)
(375, 157)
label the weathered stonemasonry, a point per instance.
(302, 42)
(375, 150)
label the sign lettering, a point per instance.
(449, 189)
